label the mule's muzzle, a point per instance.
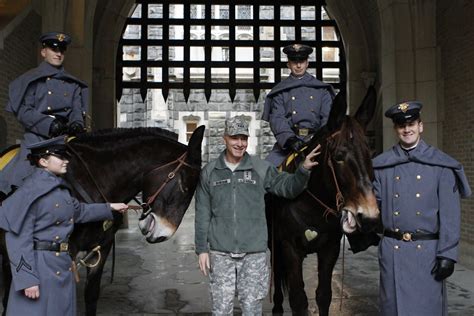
(367, 224)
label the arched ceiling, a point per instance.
(11, 8)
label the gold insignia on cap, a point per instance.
(297, 47)
(403, 107)
(61, 37)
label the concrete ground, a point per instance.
(164, 279)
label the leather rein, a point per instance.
(339, 197)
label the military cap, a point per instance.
(51, 146)
(297, 52)
(236, 125)
(404, 112)
(55, 40)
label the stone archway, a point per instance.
(109, 20)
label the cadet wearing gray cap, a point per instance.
(47, 101)
(404, 112)
(38, 219)
(418, 188)
(230, 225)
(297, 106)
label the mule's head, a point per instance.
(169, 189)
(349, 154)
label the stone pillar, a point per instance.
(409, 62)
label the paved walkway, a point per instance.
(165, 279)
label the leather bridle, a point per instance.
(339, 197)
(181, 162)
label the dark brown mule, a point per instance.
(339, 197)
(115, 165)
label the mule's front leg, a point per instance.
(7, 280)
(293, 261)
(327, 258)
(92, 286)
(277, 270)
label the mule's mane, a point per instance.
(119, 134)
(116, 138)
(350, 130)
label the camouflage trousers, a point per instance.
(248, 274)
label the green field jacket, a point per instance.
(230, 206)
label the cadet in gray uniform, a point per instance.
(418, 188)
(48, 102)
(297, 106)
(231, 230)
(38, 219)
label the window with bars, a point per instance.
(214, 45)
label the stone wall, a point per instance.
(20, 53)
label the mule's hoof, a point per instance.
(310, 234)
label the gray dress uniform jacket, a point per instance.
(36, 98)
(293, 104)
(43, 210)
(417, 191)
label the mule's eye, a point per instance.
(339, 158)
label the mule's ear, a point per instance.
(367, 108)
(338, 111)
(194, 145)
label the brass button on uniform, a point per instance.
(48, 78)
(57, 254)
(65, 94)
(418, 246)
(396, 246)
(311, 97)
(294, 112)
(397, 229)
(418, 195)
(58, 272)
(49, 108)
(396, 213)
(418, 231)
(293, 98)
(418, 177)
(50, 92)
(56, 205)
(57, 237)
(396, 195)
(58, 222)
(70, 269)
(418, 213)
(397, 178)
(71, 220)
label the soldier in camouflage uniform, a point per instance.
(231, 229)
(48, 102)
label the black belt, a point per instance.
(409, 236)
(51, 246)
